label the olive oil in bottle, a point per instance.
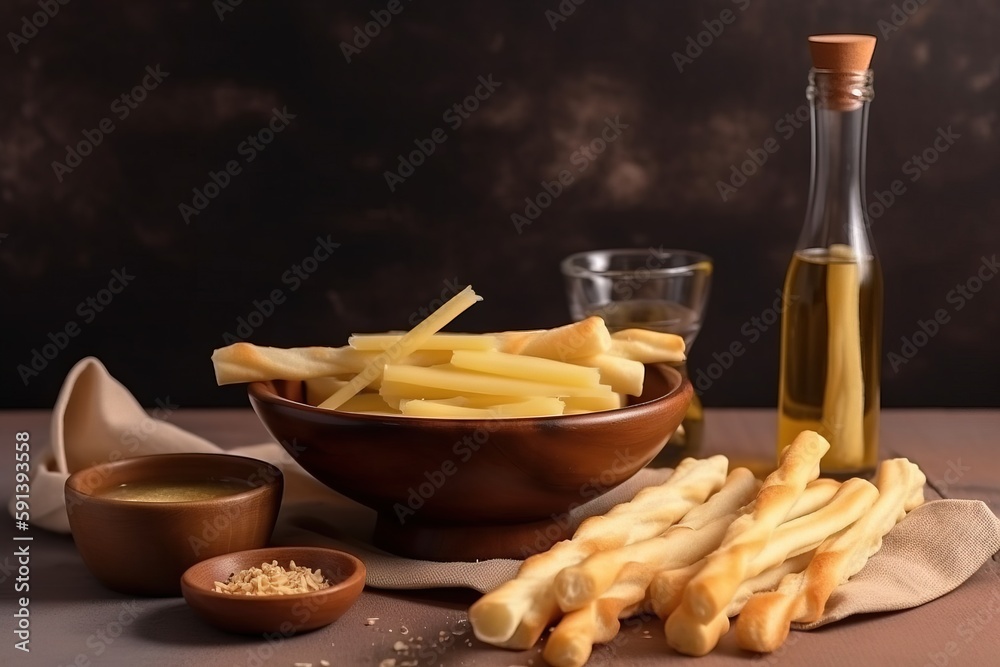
(827, 385)
(831, 326)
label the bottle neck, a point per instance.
(836, 210)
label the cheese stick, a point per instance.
(610, 401)
(395, 392)
(320, 389)
(464, 382)
(713, 587)
(515, 614)
(535, 369)
(767, 618)
(534, 406)
(407, 344)
(440, 341)
(623, 375)
(367, 403)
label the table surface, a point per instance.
(74, 621)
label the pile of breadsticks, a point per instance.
(699, 549)
(580, 367)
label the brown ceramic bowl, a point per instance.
(285, 614)
(143, 548)
(466, 489)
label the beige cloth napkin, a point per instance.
(95, 419)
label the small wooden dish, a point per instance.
(284, 614)
(143, 548)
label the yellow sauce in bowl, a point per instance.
(175, 492)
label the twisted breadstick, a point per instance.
(764, 624)
(688, 634)
(667, 586)
(515, 614)
(700, 638)
(572, 641)
(669, 556)
(244, 362)
(647, 346)
(612, 584)
(684, 543)
(710, 591)
(572, 341)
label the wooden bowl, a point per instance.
(448, 489)
(143, 548)
(285, 614)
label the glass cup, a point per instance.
(662, 290)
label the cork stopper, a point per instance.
(842, 53)
(841, 78)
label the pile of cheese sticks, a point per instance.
(579, 367)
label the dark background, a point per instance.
(451, 220)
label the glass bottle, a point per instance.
(831, 327)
